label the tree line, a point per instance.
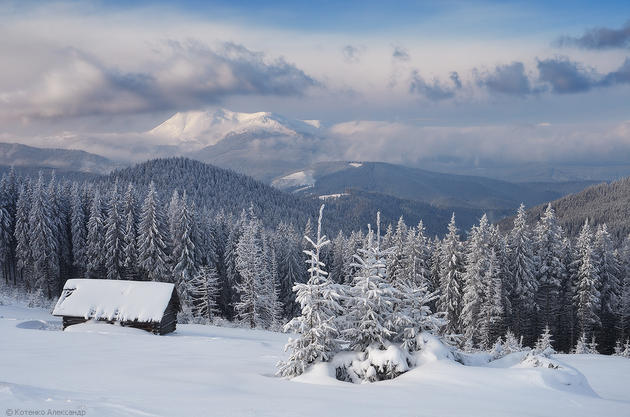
(232, 265)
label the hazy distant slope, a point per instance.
(602, 203)
(443, 190)
(261, 154)
(14, 154)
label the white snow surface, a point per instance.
(199, 370)
(114, 299)
(332, 196)
(355, 164)
(295, 179)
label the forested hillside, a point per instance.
(602, 203)
(230, 263)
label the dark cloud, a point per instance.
(435, 90)
(183, 76)
(565, 76)
(599, 38)
(621, 76)
(454, 76)
(507, 79)
(400, 54)
(351, 53)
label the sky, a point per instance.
(511, 77)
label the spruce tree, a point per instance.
(451, 278)
(152, 257)
(317, 325)
(491, 315)
(130, 252)
(609, 272)
(204, 291)
(523, 282)
(95, 242)
(477, 257)
(587, 296)
(370, 306)
(250, 266)
(23, 249)
(183, 247)
(43, 245)
(550, 269)
(544, 343)
(79, 230)
(114, 257)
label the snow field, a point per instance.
(205, 370)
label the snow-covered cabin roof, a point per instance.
(114, 300)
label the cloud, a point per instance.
(565, 76)
(599, 38)
(435, 90)
(181, 76)
(620, 76)
(507, 79)
(454, 76)
(400, 54)
(351, 53)
(407, 143)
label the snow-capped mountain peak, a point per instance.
(207, 128)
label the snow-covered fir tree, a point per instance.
(550, 268)
(523, 282)
(370, 305)
(114, 256)
(129, 245)
(544, 343)
(184, 253)
(152, 257)
(43, 244)
(476, 270)
(173, 221)
(250, 266)
(609, 271)
(512, 343)
(451, 278)
(23, 249)
(587, 283)
(491, 316)
(95, 238)
(204, 290)
(581, 347)
(320, 303)
(78, 229)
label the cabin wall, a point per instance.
(69, 321)
(169, 320)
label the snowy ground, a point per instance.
(200, 370)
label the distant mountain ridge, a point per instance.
(437, 189)
(18, 155)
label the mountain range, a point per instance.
(18, 155)
(297, 157)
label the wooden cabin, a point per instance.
(151, 306)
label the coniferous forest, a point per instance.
(470, 285)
